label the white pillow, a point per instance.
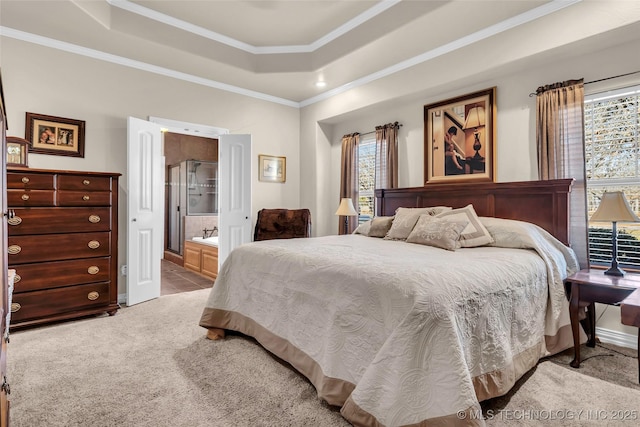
(439, 232)
(474, 234)
(406, 218)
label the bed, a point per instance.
(402, 334)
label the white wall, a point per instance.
(47, 81)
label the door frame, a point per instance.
(186, 128)
(179, 127)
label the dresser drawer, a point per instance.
(30, 198)
(59, 220)
(58, 247)
(84, 182)
(33, 181)
(57, 274)
(83, 198)
(33, 305)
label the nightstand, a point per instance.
(588, 287)
(630, 314)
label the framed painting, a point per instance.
(55, 135)
(17, 151)
(459, 138)
(272, 168)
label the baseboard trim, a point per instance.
(618, 338)
(122, 299)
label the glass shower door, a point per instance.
(174, 238)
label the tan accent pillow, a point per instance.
(380, 226)
(474, 234)
(363, 228)
(406, 218)
(439, 232)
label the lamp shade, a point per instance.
(475, 118)
(614, 207)
(346, 208)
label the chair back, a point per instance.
(282, 224)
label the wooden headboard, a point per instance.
(544, 203)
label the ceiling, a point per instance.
(271, 49)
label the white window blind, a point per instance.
(612, 156)
(366, 178)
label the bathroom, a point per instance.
(191, 195)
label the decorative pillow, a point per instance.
(439, 232)
(380, 226)
(474, 234)
(363, 228)
(406, 218)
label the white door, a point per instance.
(145, 214)
(234, 165)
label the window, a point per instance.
(366, 178)
(612, 156)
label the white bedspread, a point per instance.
(419, 332)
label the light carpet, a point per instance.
(151, 365)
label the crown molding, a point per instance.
(132, 63)
(470, 39)
(546, 9)
(257, 50)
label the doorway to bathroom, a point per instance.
(191, 191)
(146, 199)
(191, 206)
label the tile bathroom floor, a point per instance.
(176, 279)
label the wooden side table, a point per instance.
(588, 287)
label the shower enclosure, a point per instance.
(192, 190)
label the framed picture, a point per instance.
(17, 151)
(55, 135)
(459, 138)
(272, 168)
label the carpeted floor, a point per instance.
(151, 365)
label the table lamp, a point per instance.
(474, 120)
(614, 207)
(346, 209)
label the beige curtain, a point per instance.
(349, 178)
(560, 138)
(387, 155)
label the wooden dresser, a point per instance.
(63, 244)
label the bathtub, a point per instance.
(211, 241)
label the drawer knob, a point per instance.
(14, 249)
(16, 278)
(94, 219)
(16, 220)
(93, 244)
(85, 198)
(25, 180)
(93, 269)
(86, 182)
(93, 295)
(25, 197)
(15, 307)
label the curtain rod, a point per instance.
(373, 131)
(601, 80)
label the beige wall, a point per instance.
(47, 81)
